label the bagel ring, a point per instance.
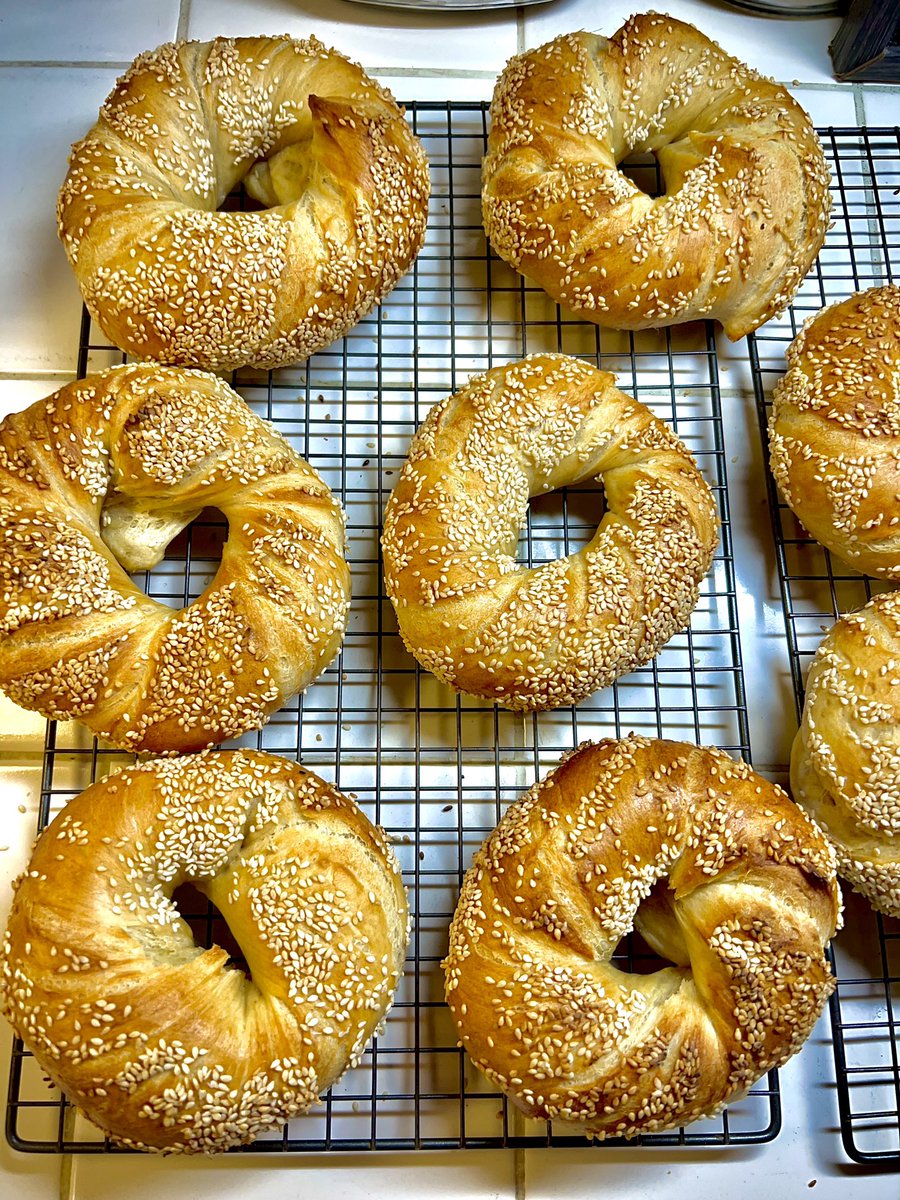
(845, 763)
(720, 873)
(153, 1037)
(343, 180)
(746, 187)
(95, 481)
(550, 635)
(834, 429)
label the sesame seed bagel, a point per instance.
(845, 765)
(342, 179)
(746, 200)
(720, 873)
(95, 481)
(550, 635)
(834, 430)
(156, 1039)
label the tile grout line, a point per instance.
(81, 63)
(825, 87)
(859, 103)
(871, 189)
(431, 72)
(184, 20)
(36, 376)
(93, 64)
(855, 89)
(519, 1179)
(67, 1165)
(66, 1177)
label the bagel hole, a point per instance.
(561, 523)
(190, 562)
(636, 957)
(645, 173)
(657, 940)
(240, 200)
(207, 925)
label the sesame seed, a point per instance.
(151, 1035)
(327, 151)
(746, 195)
(79, 640)
(845, 765)
(550, 635)
(834, 430)
(740, 895)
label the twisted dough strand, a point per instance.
(746, 202)
(834, 430)
(550, 635)
(156, 1039)
(719, 872)
(845, 764)
(96, 480)
(323, 147)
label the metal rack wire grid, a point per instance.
(862, 251)
(435, 769)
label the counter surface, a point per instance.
(57, 63)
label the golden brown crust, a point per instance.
(746, 202)
(95, 481)
(572, 866)
(834, 432)
(845, 766)
(324, 148)
(541, 637)
(159, 1043)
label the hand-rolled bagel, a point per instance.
(343, 180)
(550, 635)
(746, 201)
(718, 871)
(95, 481)
(154, 1038)
(845, 765)
(834, 430)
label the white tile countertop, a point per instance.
(57, 63)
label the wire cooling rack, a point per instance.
(437, 770)
(862, 251)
